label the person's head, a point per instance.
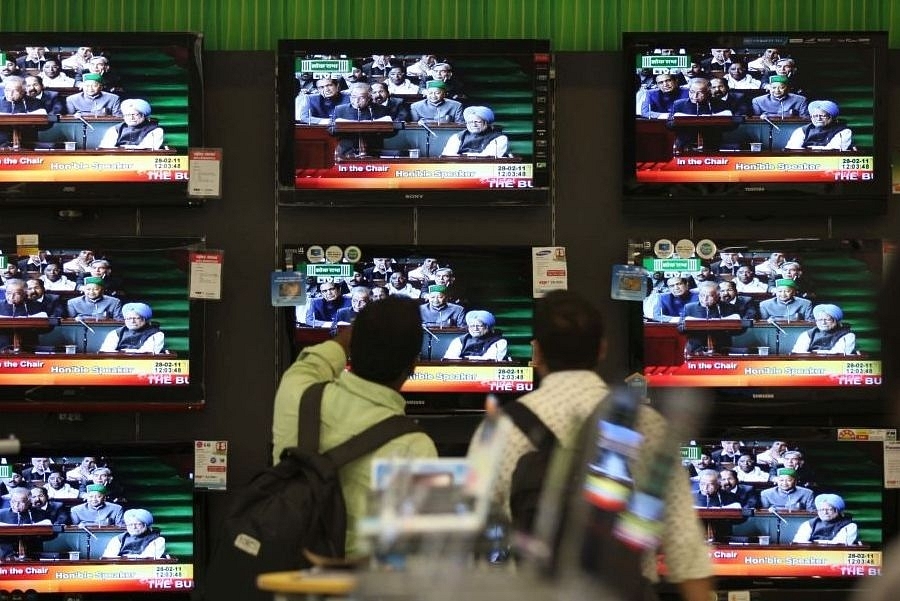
(329, 291)
(718, 87)
(380, 93)
(56, 480)
(95, 495)
(19, 500)
(698, 90)
(442, 71)
(746, 463)
(52, 272)
(793, 459)
(379, 293)
(15, 479)
(785, 289)
(38, 496)
(778, 86)
(397, 280)
(360, 95)
(137, 521)
(727, 291)
(429, 264)
(829, 506)
(85, 52)
(737, 71)
(9, 68)
(478, 118)
(480, 323)
(823, 112)
(136, 315)
(704, 274)
(771, 55)
(327, 87)
(708, 482)
(135, 111)
(381, 263)
(568, 333)
(720, 55)
(745, 274)
(14, 88)
(40, 463)
(665, 82)
(777, 258)
(98, 64)
(791, 269)
(386, 339)
(728, 480)
(444, 276)
(785, 66)
(87, 464)
(437, 296)
(397, 75)
(356, 74)
(435, 91)
(360, 296)
(705, 461)
(101, 475)
(92, 288)
(11, 271)
(15, 291)
(708, 294)
(51, 69)
(778, 448)
(730, 446)
(786, 479)
(100, 268)
(827, 316)
(92, 84)
(678, 285)
(34, 86)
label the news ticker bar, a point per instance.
(51, 371)
(465, 378)
(419, 175)
(75, 167)
(48, 577)
(730, 372)
(805, 561)
(723, 168)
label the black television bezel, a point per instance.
(788, 403)
(756, 200)
(65, 195)
(289, 195)
(121, 398)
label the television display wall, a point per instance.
(60, 147)
(408, 153)
(746, 153)
(59, 355)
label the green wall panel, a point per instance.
(572, 25)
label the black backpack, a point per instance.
(290, 507)
(528, 476)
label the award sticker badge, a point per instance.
(663, 249)
(684, 248)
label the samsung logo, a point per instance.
(763, 396)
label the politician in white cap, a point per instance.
(480, 138)
(137, 131)
(138, 335)
(824, 132)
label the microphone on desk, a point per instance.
(80, 118)
(765, 118)
(774, 512)
(429, 332)
(771, 322)
(428, 129)
(82, 322)
(84, 527)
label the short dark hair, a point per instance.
(569, 330)
(387, 338)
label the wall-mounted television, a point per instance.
(468, 122)
(767, 541)
(106, 324)
(799, 322)
(800, 127)
(112, 123)
(62, 549)
(451, 374)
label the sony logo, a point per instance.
(414, 196)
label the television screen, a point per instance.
(99, 323)
(787, 506)
(768, 319)
(476, 308)
(108, 122)
(766, 122)
(414, 122)
(99, 520)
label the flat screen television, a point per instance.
(763, 543)
(768, 345)
(64, 151)
(494, 279)
(75, 554)
(72, 352)
(411, 154)
(748, 154)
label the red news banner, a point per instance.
(724, 168)
(470, 378)
(119, 371)
(418, 175)
(134, 166)
(734, 372)
(804, 561)
(100, 577)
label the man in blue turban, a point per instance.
(824, 132)
(830, 336)
(482, 343)
(480, 139)
(831, 526)
(139, 540)
(138, 335)
(137, 131)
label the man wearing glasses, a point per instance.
(321, 311)
(315, 109)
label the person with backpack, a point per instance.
(382, 345)
(567, 348)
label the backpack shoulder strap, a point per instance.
(309, 417)
(530, 424)
(371, 438)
